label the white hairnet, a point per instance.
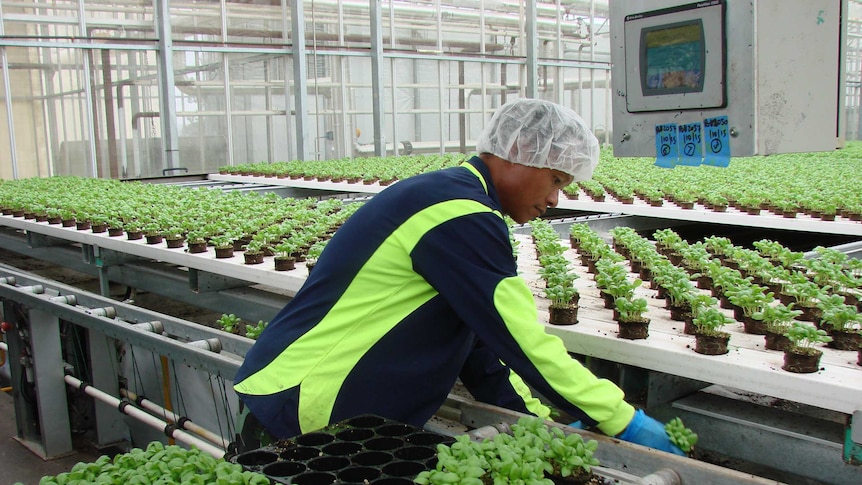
(539, 133)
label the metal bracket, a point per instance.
(853, 443)
(103, 258)
(202, 281)
(36, 240)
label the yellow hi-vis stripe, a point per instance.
(478, 175)
(323, 357)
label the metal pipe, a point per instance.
(107, 312)
(184, 423)
(665, 476)
(37, 289)
(154, 326)
(211, 344)
(67, 299)
(125, 407)
(4, 348)
(89, 111)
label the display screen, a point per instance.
(672, 58)
(675, 58)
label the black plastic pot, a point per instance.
(366, 449)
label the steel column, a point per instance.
(110, 426)
(48, 370)
(300, 81)
(377, 82)
(168, 105)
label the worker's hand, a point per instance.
(646, 431)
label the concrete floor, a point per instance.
(18, 464)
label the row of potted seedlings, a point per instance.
(680, 272)
(193, 219)
(743, 280)
(381, 170)
(820, 185)
(557, 272)
(616, 289)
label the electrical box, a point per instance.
(727, 77)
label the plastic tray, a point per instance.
(366, 449)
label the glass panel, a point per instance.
(258, 21)
(123, 19)
(135, 95)
(201, 116)
(358, 83)
(419, 104)
(258, 106)
(550, 83)
(402, 123)
(196, 20)
(7, 171)
(414, 25)
(338, 23)
(50, 112)
(587, 92)
(470, 26)
(123, 109)
(48, 18)
(335, 98)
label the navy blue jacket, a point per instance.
(418, 288)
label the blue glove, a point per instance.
(577, 424)
(646, 431)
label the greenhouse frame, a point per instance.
(136, 89)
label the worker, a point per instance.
(420, 287)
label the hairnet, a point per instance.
(539, 133)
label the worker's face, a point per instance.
(527, 192)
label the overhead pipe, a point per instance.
(454, 15)
(126, 407)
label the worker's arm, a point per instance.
(469, 261)
(492, 382)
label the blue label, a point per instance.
(717, 141)
(690, 140)
(666, 148)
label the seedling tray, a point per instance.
(366, 449)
